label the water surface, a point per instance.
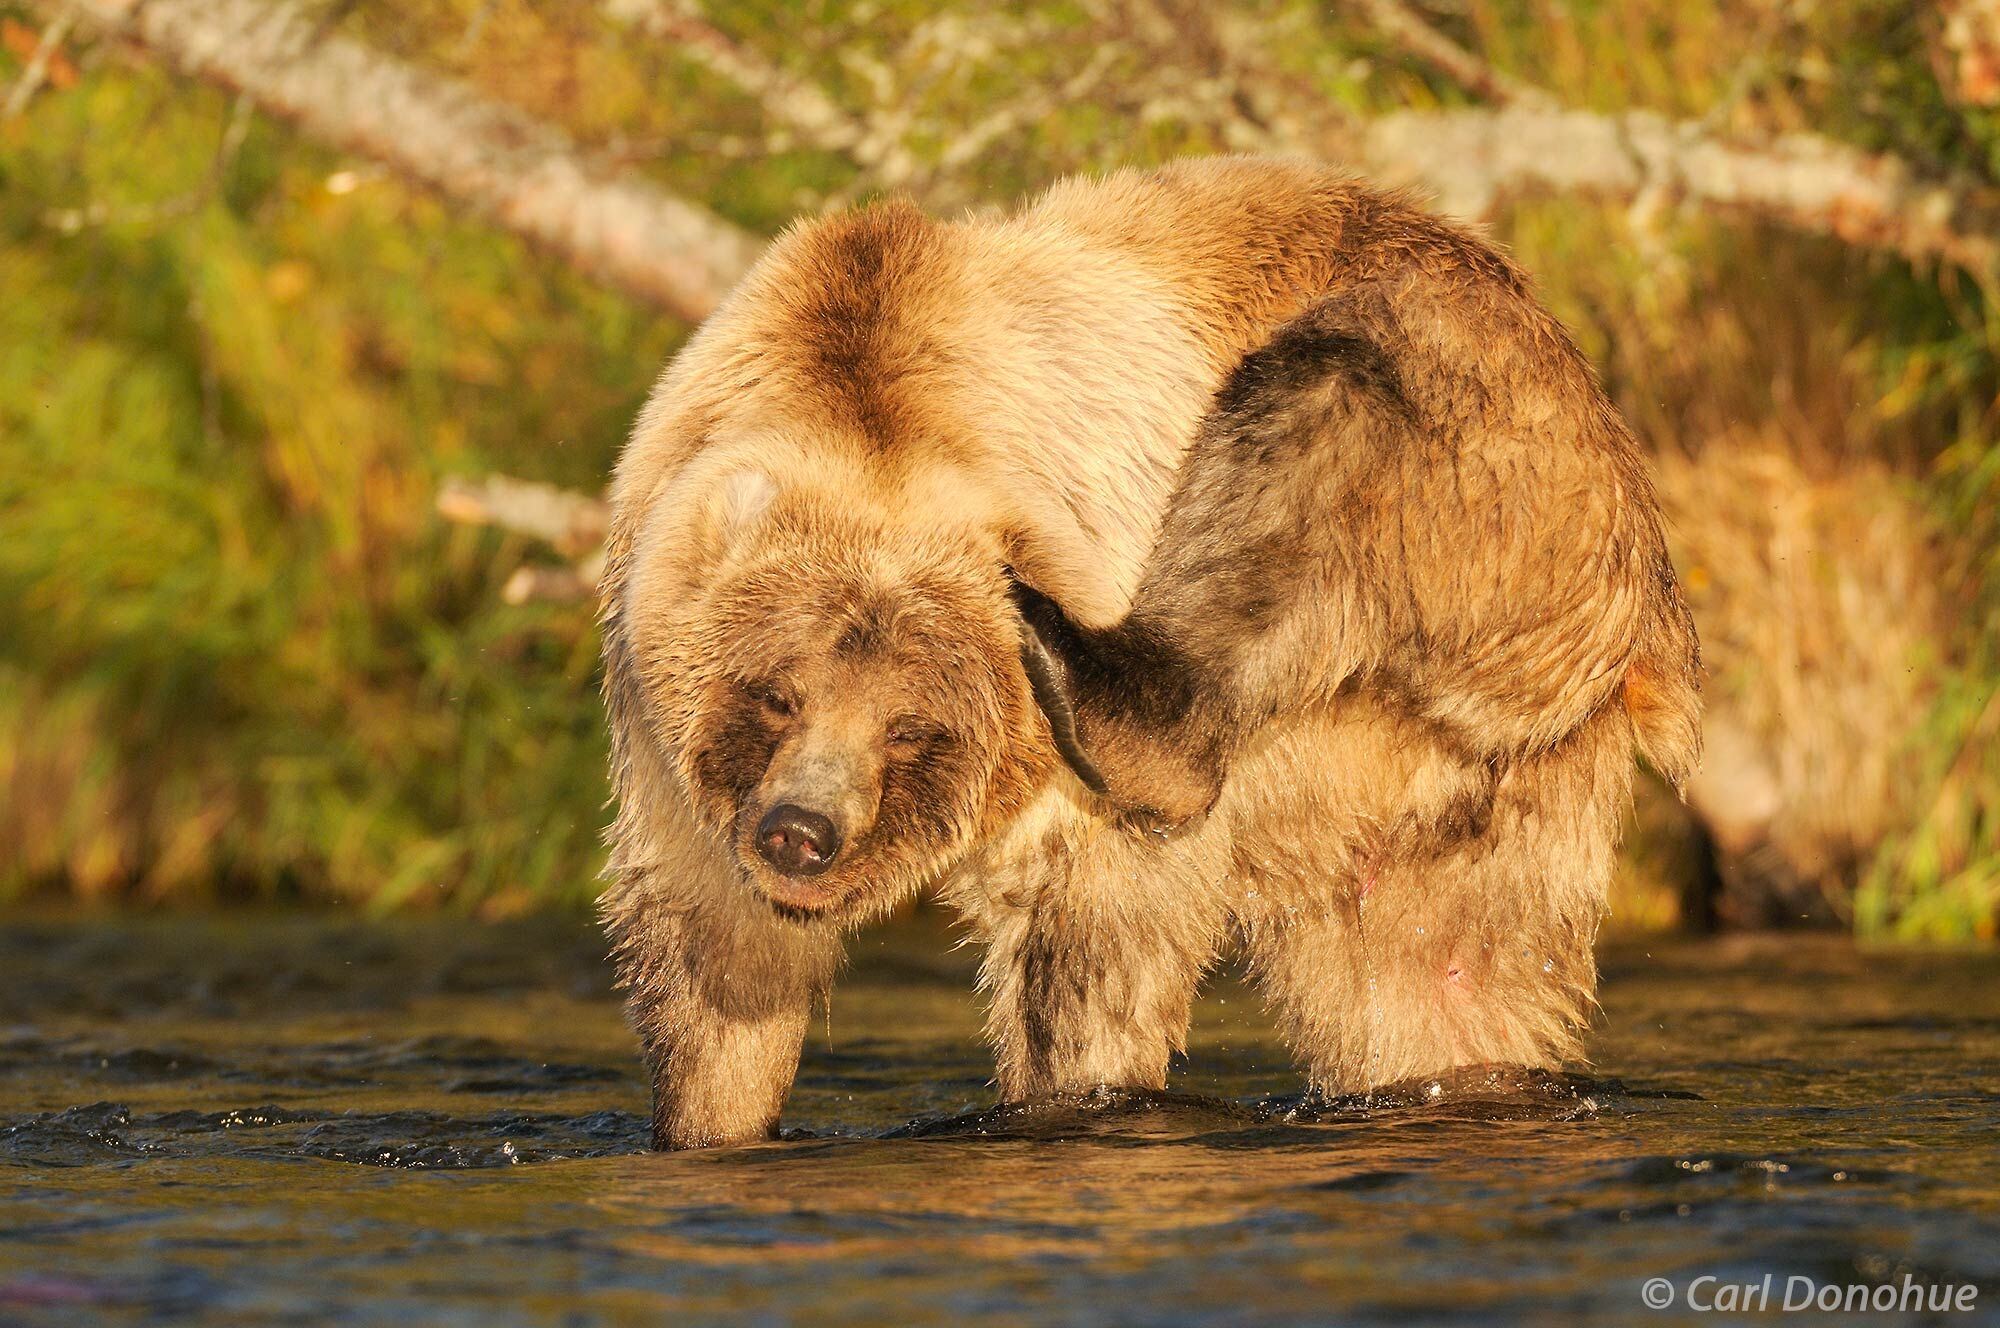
(298, 1119)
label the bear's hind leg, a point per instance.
(1426, 973)
(1478, 954)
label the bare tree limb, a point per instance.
(37, 69)
(1473, 159)
(874, 143)
(532, 179)
(1017, 115)
(795, 102)
(572, 522)
(524, 174)
(555, 585)
(1408, 29)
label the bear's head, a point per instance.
(840, 691)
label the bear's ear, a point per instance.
(718, 514)
(1050, 645)
(739, 503)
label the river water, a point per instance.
(298, 1119)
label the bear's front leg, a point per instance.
(721, 990)
(1094, 952)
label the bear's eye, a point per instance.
(770, 699)
(910, 734)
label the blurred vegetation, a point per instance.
(238, 653)
(241, 658)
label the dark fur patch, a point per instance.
(737, 751)
(1304, 354)
(1133, 683)
(1243, 590)
(867, 632)
(1135, 674)
(1053, 992)
(922, 800)
(1126, 672)
(858, 346)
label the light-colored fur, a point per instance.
(1418, 670)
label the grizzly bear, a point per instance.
(1225, 556)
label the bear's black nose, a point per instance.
(797, 842)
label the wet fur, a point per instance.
(1333, 556)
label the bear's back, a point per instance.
(1040, 377)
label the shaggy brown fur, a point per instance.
(1229, 553)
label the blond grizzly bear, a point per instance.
(1226, 555)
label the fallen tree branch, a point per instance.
(572, 523)
(553, 585)
(37, 68)
(1473, 159)
(524, 174)
(1408, 29)
(533, 180)
(803, 106)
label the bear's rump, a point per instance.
(1318, 798)
(1419, 908)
